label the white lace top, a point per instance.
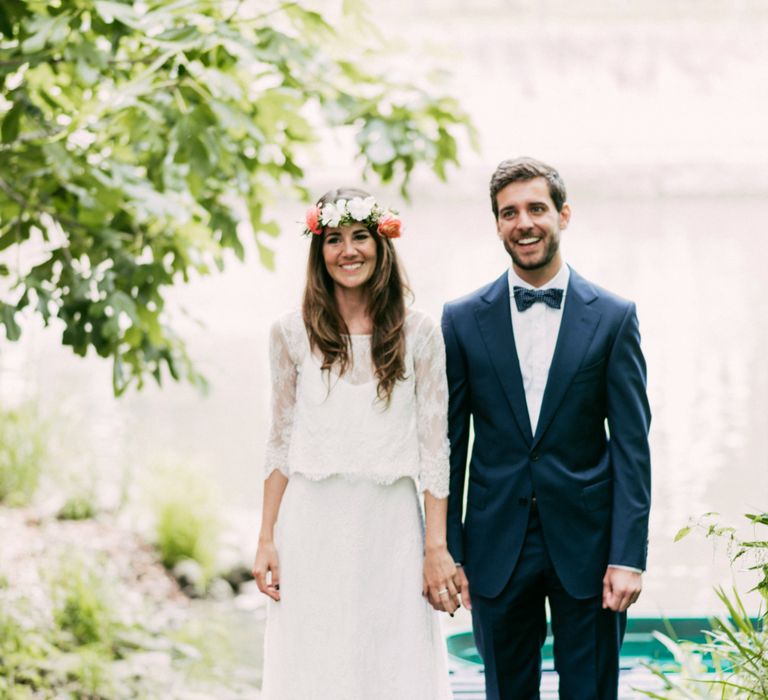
(324, 425)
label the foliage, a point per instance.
(81, 607)
(22, 652)
(23, 441)
(733, 661)
(39, 659)
(187, 525)
(140, 142)
(71, 653)
(80, 507)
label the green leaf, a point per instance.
(9, 238)
(5, 23)
(271, 228)
(122, 12)
(7, 317)
(45, 29)
(266, 255)
(308, 22)
(682, 533)
(758, 519)
(119, 382)
(11, 122)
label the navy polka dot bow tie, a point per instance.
(525, 298)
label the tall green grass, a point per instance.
(23, 448)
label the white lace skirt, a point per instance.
(352, 623)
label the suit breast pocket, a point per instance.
(590, 373)
(599, 495)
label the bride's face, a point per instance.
(349, 253)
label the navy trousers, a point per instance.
(510, 630)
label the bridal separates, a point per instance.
(352, 623)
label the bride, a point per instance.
(359, 423)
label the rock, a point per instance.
(237, 576)
(220, 589)
(191, 577)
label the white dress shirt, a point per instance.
(536, 331)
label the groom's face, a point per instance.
(529, 225)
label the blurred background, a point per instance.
(654, 114)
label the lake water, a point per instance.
(657, 126)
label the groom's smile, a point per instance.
(529, 226)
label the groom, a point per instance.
(548, 367)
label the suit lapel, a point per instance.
(578, 325)
(495, 322)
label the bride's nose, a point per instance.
(348, 249)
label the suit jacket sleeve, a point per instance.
(629, 420)
(458, 432)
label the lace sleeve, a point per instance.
(284, 373)
(432, 409)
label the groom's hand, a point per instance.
(621, 588)
(462, 584)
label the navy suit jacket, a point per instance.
(588, 463)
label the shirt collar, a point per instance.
(559, 281)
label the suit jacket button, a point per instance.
(534, 456)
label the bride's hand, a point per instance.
(440, 580)
(266, 570)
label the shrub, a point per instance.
(81, 606)
(77, 508)
(23, 442)
(733, 661)
(187, 524)
(25, 652)
(72, 645)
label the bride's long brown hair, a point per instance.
(387, 290)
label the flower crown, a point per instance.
(346, 211)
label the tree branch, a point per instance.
(15, 196)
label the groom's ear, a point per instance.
(565, 216)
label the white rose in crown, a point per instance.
(360, 209)
(331, 214)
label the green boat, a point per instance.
(640, 647)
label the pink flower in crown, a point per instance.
(313, 217)
(390, 226)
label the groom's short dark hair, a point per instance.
(524, 168)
